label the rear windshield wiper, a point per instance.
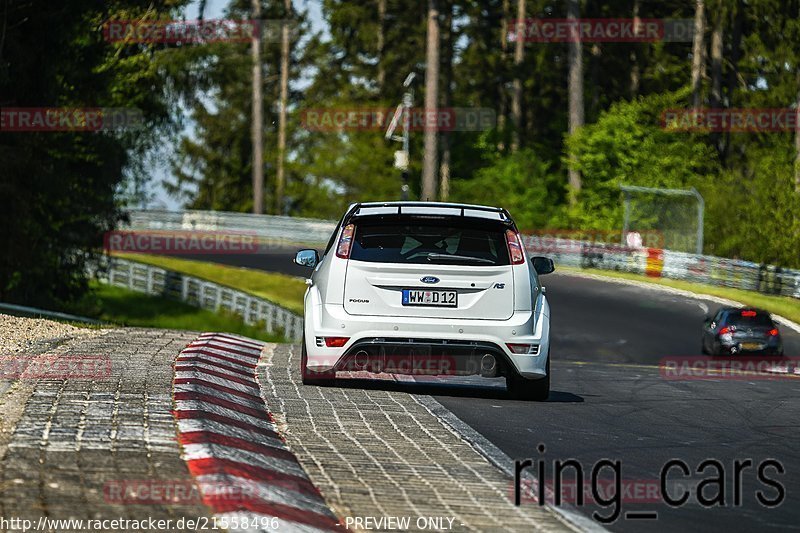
(448, 257)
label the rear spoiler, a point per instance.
(353, 212)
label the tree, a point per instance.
(698, 52)
(257, 121)
(575, 93)
(58, 189)
(280, 178)
(430, 156)
(516, 95)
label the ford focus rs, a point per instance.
(427, 289)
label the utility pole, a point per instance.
(430, 157)
(280, 179)
(256, 127)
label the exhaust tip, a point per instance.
(361, 359)
(488, 366)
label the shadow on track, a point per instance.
(455, 390)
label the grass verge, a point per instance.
(129, 308)
(286, 291)
(780, 305)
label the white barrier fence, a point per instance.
(657, 263)
(652, 262)
(157, 281)
(273, 229)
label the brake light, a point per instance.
(336, 342)
(725, 330)
(773, 332)
(748, 313)
(345, 242)
(514, 247)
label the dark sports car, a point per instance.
(733, 330)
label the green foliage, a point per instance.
(520, 182)
(58, 188)
(628, 145)
(753, 210)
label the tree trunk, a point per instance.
(430, 157)
(280, 176)
(256, 126)
(502, 100)
(716, 57)
(519, 56)
(715, 98)
(381, 45)
(595, 74)
(575, 95)
(736, 48)
(447, 81)
(635, 70)
(797, 138)
(735, 53)
(698, 51)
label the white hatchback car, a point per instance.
(431, 289)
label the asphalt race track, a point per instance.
(609, 401)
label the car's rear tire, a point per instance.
(537, 390)
(313, 378)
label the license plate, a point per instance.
(751, 346)
(430, 298)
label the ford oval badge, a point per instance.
(429, 279)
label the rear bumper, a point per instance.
(771, 346)
(426, 346)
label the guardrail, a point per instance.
(276, 229)
(652, 262)
(198, 292)
(658, 263)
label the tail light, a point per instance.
(345, 242)
(748, 313)
(773, 332)
(514, 247)
(725, 330)
(336, 342)
(528, 349)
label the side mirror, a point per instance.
(307, 258)
(543, 265)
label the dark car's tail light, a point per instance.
(773, 332)
(336, 342)
(514, 247)
(725, 330)
(748, 313)
(345, 242)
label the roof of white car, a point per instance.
(429, 208)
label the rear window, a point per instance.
(748, 319)
(429, 244)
